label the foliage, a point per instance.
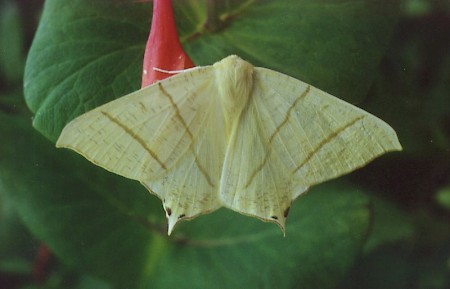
(384, 226)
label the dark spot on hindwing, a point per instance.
(181, 216)
(168, 212)
(274, 217)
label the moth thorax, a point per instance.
(234, 78)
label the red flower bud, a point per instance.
(163, 49)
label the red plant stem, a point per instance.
(163, 49)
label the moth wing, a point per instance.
(321, 137)
(190, 188)
(291, 137)
(143, 134)
(169, 136)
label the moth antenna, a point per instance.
(174, 71)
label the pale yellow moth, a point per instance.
(229, 135)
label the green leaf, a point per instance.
(83, 54)
(87, 53)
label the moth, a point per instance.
(229, 135)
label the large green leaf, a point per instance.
(86, 53)
(110, 227)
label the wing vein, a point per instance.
(136, 138)
(183, 122)
(277, 130)
(327, 140)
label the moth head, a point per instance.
(234, 78)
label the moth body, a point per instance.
(234, 80)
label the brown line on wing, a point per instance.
(288, 114)
(183, 122)
(136, 138)
(277, 130)
(327, 140)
